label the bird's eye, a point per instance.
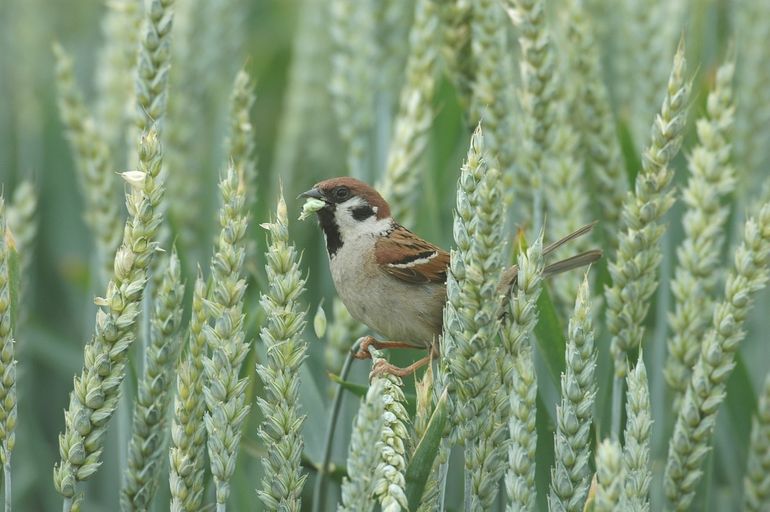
(341, 193)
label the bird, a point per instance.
(389, 278)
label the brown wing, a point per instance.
(407, 257)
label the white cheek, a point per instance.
(351, 228)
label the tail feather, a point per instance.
(576, 261)
(572, 236)
(510, 276)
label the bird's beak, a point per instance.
(313, 193)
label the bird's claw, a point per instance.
(382, 367)
(363, 348)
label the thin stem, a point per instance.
(319, 491)
(221, 507)
(617, 406)
(660, 409)
(67, 505)
(467, 492)
(123, 419)
(7, 483)
(443, 472)
(443, 469)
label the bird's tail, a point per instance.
(510, 276)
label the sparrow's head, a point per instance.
(351, 195)
(348, 208)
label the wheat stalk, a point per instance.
(636, 450)
(223, 388)
(696, 418)
(389, 482)
(470, 323)
(753, 105)
(354, 32)
(188, 433)
(23, 223)
(363, 454)
(8, 399)
(711, 179)
(518, 377)
(154, 390)
(570, 475)
(97, 389)
(411, 131)
(282, 427)
(538, 69)
(94, 161)
(307, 130)
(153, 64)
(650, 43)
(471, 286)
(240, 140)
(597, 130)
(634, 271)
(456, 47)
(756, 483)
(492, 100)
(609, 477)
(116, 64)
(393, 20)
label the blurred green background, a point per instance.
(297, 144)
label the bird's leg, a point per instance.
(382, 367)
(367, 341)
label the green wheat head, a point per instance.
(493, 128)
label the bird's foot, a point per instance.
(382, 367)
(367, 341)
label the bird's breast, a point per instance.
(397, 310)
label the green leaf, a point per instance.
(421, 465)
(55, 352)
(731, 438)
(316, 408)
(741, 404)
(630, 153)
(549, 337)
(357, 389)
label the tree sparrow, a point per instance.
(389, 278)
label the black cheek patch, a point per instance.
(362, 212)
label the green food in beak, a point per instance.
(311, 206)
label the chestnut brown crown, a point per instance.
(340, 190)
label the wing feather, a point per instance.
(407, 257)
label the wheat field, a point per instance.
(170, 337)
